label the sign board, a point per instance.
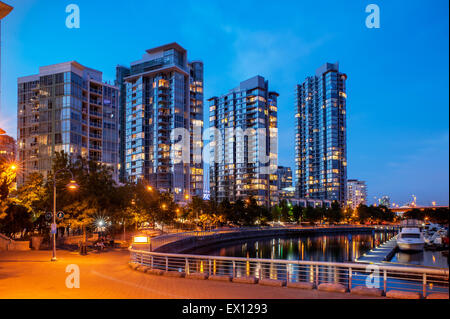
(60, 215)
(48, 216)
(53, 229)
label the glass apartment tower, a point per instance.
(66, 107)
(321, 146)
(356, 193)
(284, 177)
(162, 121)
(244, 150)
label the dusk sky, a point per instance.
(398, 75)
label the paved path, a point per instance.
(106, 275)
(379, 254)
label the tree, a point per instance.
(7, 178)
(334, 213)
(297, 213)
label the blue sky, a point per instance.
(398, 100)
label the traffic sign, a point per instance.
(60, 215)
(53, 229)
(48, 216)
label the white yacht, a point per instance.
(410, 237)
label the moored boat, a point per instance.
(410, 238)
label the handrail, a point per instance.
(418, 280)
(421, 270)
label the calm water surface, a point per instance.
(329, 247)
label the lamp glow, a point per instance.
(141, 239)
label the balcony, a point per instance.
(96, 102)
(96, 91)
(94, 135)
(95, 147)
(96, 124)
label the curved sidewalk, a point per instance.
(107, 275)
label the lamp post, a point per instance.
(71, 186)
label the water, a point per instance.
(423, 258)
(330, 247)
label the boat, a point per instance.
(410, 237)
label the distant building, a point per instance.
(385, 201)
(66, 107)
(244, 143)
(286, 193)
(321, 146)
(7, 147)
(161, 99)
(284, 177)
(4, 11)
(356, 193)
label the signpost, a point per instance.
(53, 229)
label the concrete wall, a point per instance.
(9, 244)
(188, 244)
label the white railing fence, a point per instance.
(350, 275)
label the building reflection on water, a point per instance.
(330, 247)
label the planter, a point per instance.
(36, 242)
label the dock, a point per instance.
(381, 253)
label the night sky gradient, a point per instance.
(398, 75)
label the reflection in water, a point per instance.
(330, 247)
(424, 258)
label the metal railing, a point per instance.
(350, 275)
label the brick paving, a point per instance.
(106, 275)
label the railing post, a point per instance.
(167, 263)
(317, 276)
(287, 273)
(424, 285)
(151, 262)
(209, 267)
(350, 279)
(385, 281)
(234, 268)
(186, 266)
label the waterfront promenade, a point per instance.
(107, 275)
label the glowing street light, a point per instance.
(149, 188)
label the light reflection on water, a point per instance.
(329, 247)
(423, 258)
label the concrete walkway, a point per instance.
(107, 275)
(379, 254)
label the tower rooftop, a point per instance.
(5, 9)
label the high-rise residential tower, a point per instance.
(284, 177)
(385, 201)
(66, 107)
(321, 146)
(162, 121)
(244, 151)
(7, 147)
(356, 193)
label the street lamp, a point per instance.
(71, 186)
(149, 188)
